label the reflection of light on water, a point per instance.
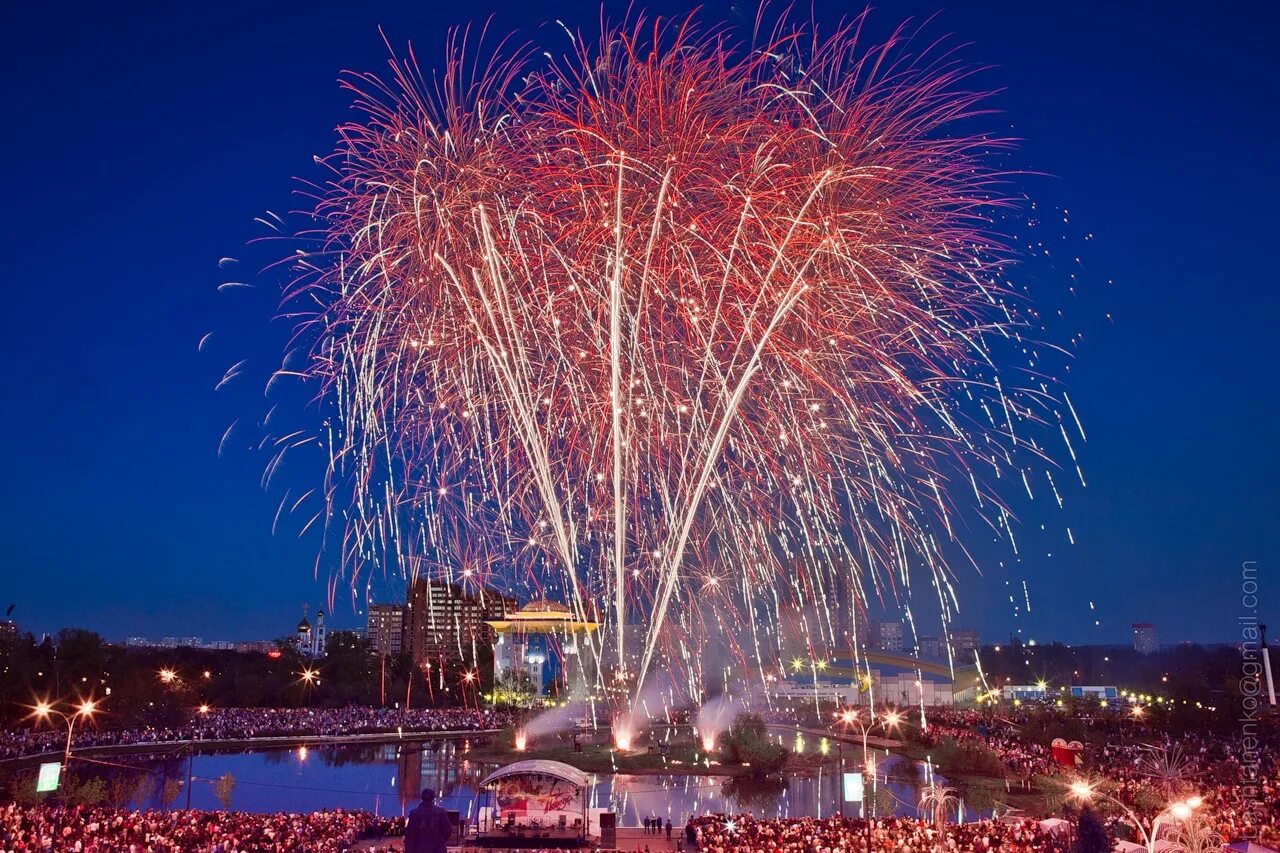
(799, 747)
(824, 746)
(354, 777)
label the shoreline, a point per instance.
(244, 743)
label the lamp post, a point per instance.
(84, 710)
(1181, 810)
(852, 717)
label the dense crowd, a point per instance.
(93, 829)
(250, 723)
(1143, 765)
(719, 834)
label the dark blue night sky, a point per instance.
(144, 138)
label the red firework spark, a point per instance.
(691, 334)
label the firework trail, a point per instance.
(682, 331)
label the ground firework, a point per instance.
(690, 333)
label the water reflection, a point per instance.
(388, 778)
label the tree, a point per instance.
(1092, 836)
(350, 670)
(145, 790)
(968, 757)
(981, 798)
(90, 792)
(514, 691)
(120, 790)
(747, 742)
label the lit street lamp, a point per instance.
(310, 678)
(84, 710)
(850, 717)
(1181, 810)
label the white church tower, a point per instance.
(311, 638)
(318, 636)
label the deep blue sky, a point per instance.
(143, 139)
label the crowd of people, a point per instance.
(94, 829)
(1141, 765)
(250, 723)
(744, 834)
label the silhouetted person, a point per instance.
(429, 827)
(668, 829)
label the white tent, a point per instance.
(1128, 847)
(1056, 826)
(1250, 847)
(556, 769)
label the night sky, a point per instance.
(144, 138)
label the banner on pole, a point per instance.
(47, 781)
(853, 787)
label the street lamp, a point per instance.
(851, 717)
(84, 710)
(168, 676)
(1181, 810)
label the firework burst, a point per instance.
(687, 333)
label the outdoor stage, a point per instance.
(629, 840)
(527, 837)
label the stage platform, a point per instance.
(630, 840)
(527, 837)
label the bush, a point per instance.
(969, 757)
(747, 742)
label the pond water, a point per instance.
(386, 779)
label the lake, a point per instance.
(386, 779)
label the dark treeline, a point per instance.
(130, 685)
(1207, 674)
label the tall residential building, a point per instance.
(447, 623)
(931, 648)
(1144, 637)
(886, 636)
(384, 628)
(965, 643)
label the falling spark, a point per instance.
(659, 305)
